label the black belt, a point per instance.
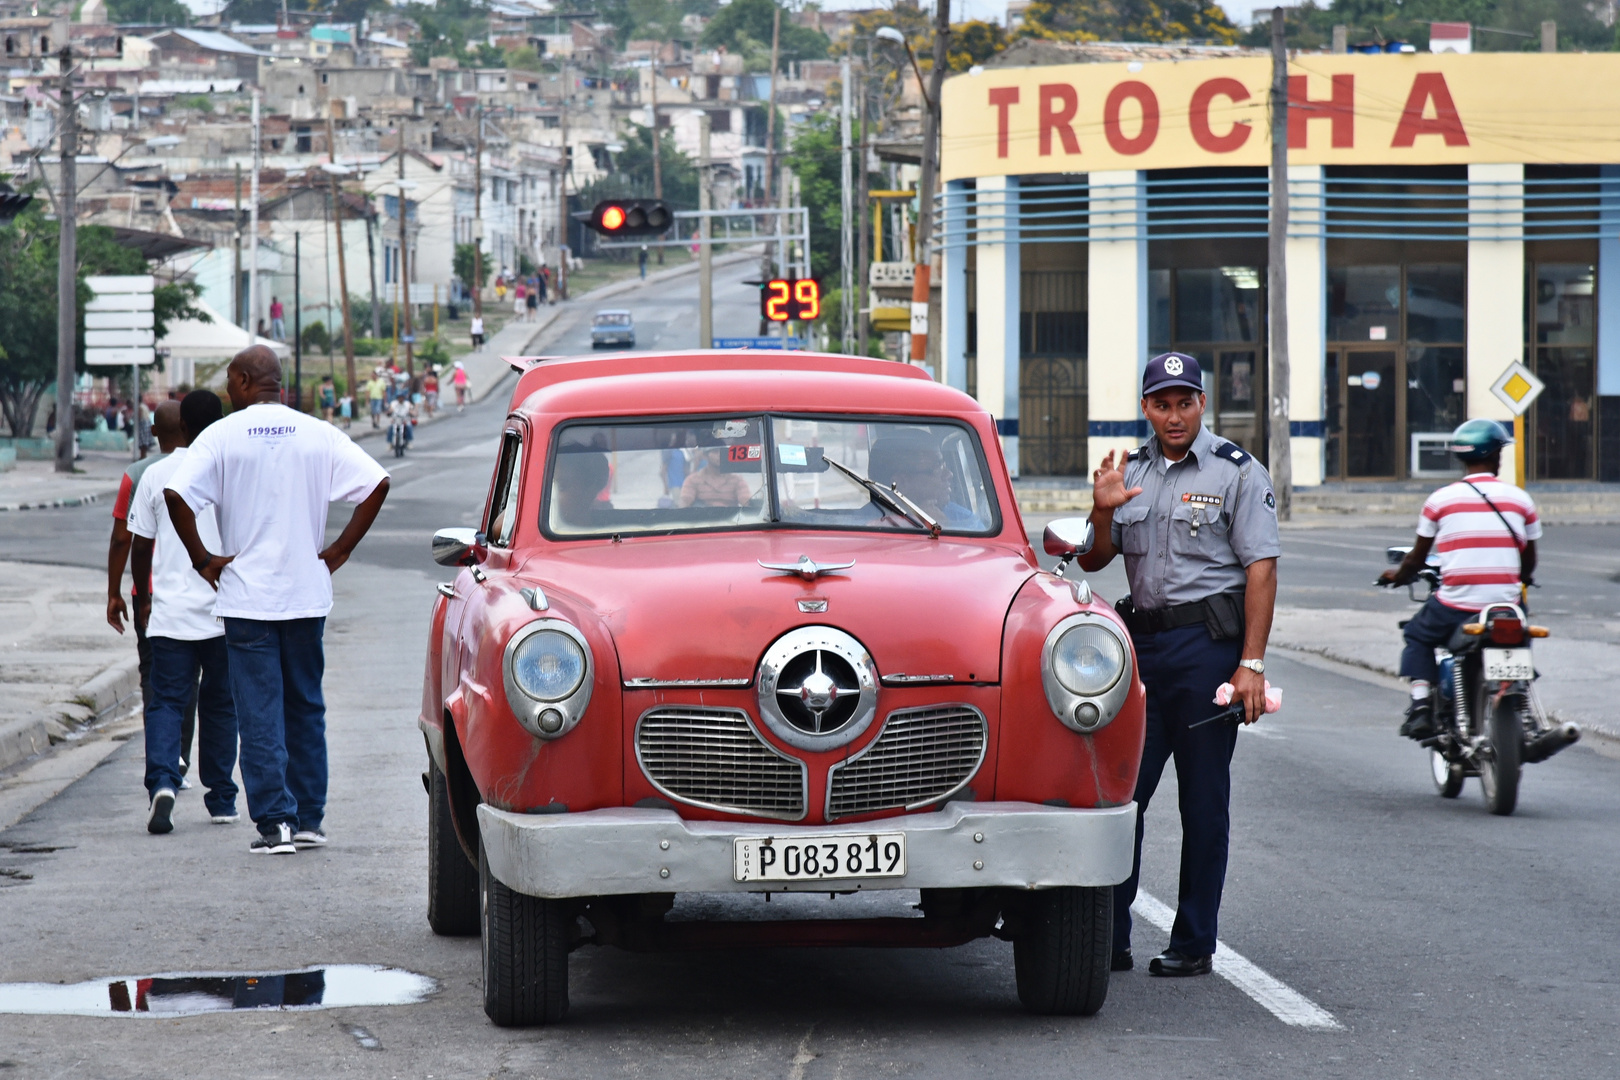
(1222, 614)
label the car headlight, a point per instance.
(1086, 671)
(548, 674)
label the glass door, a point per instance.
(1371, 450)
(1237, 382)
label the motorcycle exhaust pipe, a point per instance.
(1550, 742)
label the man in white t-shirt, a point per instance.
(177, 608)
(1484, 532)
(271, 473)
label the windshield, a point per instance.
(613, 318)
(750, 471)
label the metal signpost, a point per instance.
(118, 330)
(1518, 388)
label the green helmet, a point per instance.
(1479, 440)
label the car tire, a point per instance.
(1062, 952)
(1499, 767)
(452, 877)
(525, 947)
(1448, 776)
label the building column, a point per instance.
(1117, 297)
(1495, 282)
(953, 286)
(998, 270)
(1608, 328)
(1307, 321)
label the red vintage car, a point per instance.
(745, 623)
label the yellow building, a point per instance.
(1449, 215)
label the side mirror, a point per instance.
(1068, 537)
(1395, 555)
(457, 547)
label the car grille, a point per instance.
(713, 758)
(920, 757)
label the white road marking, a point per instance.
(1274, 995)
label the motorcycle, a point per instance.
(398, 435)
(1491, 722)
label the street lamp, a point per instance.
(889, 33)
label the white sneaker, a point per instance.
(279, 842)
(158, 819)
(309, 838)
(226, 819)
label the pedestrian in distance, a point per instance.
(376, 395)
(641, 259)
(176, 607)
(1484, 531)
(463, 386)
(520, 301)
(328, 398)
(533, 298)
(272, 472)
(278, 325)
(118, 548)
(542, 284)
(430, 390)
(477, 333)
(1196, 520)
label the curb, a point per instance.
(105, 693)
(57, 504)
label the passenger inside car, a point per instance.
(578, 481)
(713, 485)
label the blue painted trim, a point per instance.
(1008, 427)
(1305, 429)
(1118, 429)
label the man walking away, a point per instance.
(166, 426)
(376, 391)
(184, 636)
(271, 473)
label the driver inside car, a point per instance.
(712, 485)
(916, 466)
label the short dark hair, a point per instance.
(198, 409)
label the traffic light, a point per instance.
(784, 299)
(630, 217)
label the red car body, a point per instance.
(683, 621)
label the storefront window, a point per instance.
(1564, 309)
(1435, 303)
(1218, 305)
(1436, 390)
(1364, 303)
(1563, 415)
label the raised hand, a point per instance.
(1108, 490)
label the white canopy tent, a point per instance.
(190, 341)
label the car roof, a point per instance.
(613, 311)
(731, 380)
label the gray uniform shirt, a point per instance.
(1197, 524)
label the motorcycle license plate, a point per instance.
(847, 855)
(1508, 665)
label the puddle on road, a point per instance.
(334, 987)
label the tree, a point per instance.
(166, 12)
(744, 26)
(632, 175)
(463, 264)
(1311, 26)
(816, 162)
(974, 43)
(1128, 20)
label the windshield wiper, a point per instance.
(891, 497)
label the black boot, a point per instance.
(1419, 721)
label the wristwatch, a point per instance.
(1256, 666)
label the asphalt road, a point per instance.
(1446, 943)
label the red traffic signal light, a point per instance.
(630, 217)
(784, 299)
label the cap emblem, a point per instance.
(1174, 366)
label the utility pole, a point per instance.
(478, 218)
(920, 308)
(371, 268)
(298, 337)
(253, 226)
(705, 230)
(67, 266)
(343, 269)
(562, 192)
(1281, 461)
(236, 240)
(404, 261)
(846, 260)
(770, 117)
(864, 239)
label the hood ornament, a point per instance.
(806, 567)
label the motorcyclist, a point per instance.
(1484, 532)
(404, 410)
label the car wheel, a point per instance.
(452, 878)
(525, 943)
(1448, 776)
(1062, 952)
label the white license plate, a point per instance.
(845, 855)
(1508, 665)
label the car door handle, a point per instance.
(447, 590)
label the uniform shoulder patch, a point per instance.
(1233, 453)
(1138, 454)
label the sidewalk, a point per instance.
(36, 485)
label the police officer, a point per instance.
(1197, 522)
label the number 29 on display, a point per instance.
(782, 299)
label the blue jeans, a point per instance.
(276, 670)
(1181, 669)
(1431, 627)
(173, 677)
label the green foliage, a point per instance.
(373, 346)
(360, 315)
(524, 59)
(200, 102)
(317, 339)
(744, 26)
(167, 12)
(974, 43)
(463, 265)
(1311, 26)
(446, 27)
(633, 172)
(815, 159)
(1128, 20)
(432, 351)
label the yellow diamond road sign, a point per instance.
(1517, 388)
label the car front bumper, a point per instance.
(965, 845)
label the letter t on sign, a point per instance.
(1003, 98)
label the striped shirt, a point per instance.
(1479, 561)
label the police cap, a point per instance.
(1172, 369)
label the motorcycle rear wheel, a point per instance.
(1448, 776)
(1500, 764)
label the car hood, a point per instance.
(693, 608)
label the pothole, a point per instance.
(181, 994)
